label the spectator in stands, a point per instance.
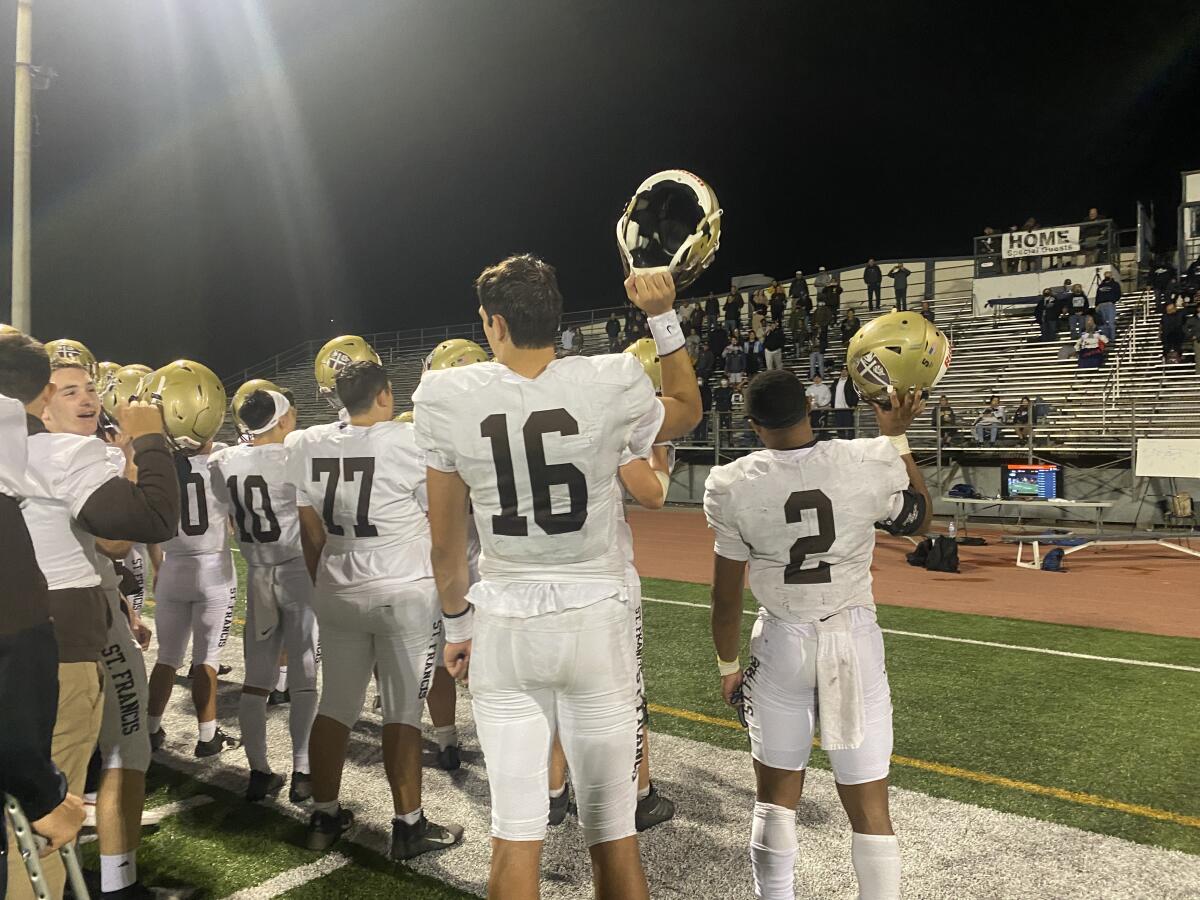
(942, 418)
(1080, 309)
(706, 403)
(845, 398)
(692, 344)
(1164, 280)
(735, 363)
(899, 276)
(1191, 328)
(718, 340)
(733, 310)
(797, 327)
(1172, 332)
(833, 296)
(778, 303)
(1093, 215)
(723, 402)
(822, 319)
(759, 309)
(926, 311)
(1023, 419)
(873, 279)
(850, 325)
(712, 311)
(1108, 293)
(753, 348)
(568, 340)
(988, 422)
(773, 346)
(822, 281)
(1046, 313)
(705, 361)
(697, 318)
(1031, 224)
(1041, 409)
(819, 401)
(1092, 346)
(613, 329)
(798, 292)
(816, 362)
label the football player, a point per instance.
(252, 479)
(366, 542)
(804, 513)
(535, 443)
(84, 497)
(195, 586)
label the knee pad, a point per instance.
(773, 828)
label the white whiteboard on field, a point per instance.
(1168, 458)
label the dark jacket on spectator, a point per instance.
(1108, 291)
(706, 397)
(1047, 308)
(799, 290)
(773, 340)
(1078, 303)
(778, 303)
(1172, 324)
(723, 399)
(718, 341)
(850, 328)
(872, 275)
(704, 363)
(735, 359)
(712, 307)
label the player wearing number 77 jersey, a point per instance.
(252, 480)
(536, 442)
(366, 544)
(804, 513)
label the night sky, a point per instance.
(219, 179)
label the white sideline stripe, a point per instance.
(292, 878)
(957, 640)
(156, 814)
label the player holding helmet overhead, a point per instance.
(535, 442)
(253, 480)
(366, 543)
(196, 585)
(803, 514)
(334, 356)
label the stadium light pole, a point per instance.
(22, 142)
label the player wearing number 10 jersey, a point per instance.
(803, 513)
(366, 543)
(536, 442)
(252, 480)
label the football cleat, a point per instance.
(263, 785)
(559, 807)
(220, 741)
(325, 829)
(157, 738)
(449, 758)
(279, 698)
(139, 891)
(222, 671)
(413, 840)
(653, 809)
(301, 788)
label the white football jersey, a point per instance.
(368, 486)
(805, 519)
(540, 457)
(254, 483)
(14, 447)
(203, 516)
(67, 468)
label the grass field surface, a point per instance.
(1102, 746)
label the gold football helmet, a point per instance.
(192, 400)
(647, 354)
(454, 353)
(672, 224)
(121, 386)
(406, 416)
(105, 371)
(335, 356)
(900, 350)
(70, 351)
(8, 329)
(248, 388)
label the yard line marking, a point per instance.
(155, 814)
(957, 640)
(292, 878)
(1028, 787)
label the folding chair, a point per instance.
(29, 845)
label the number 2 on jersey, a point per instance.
(541, 475)
(793, 511)
(347, 469)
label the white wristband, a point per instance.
(665, 480)
(667, 332)
(900, 442)
(729, 668)
(459, 628)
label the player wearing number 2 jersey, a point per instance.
(803, 513)
(536, 442)
(194, 591)
(366, 543)
(252, 480)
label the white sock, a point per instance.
(300, 719)
(411, 818)
(281, 682)
(118, 871)
(773, 851)
(554, 795)
(876, 860)
(329, 807)
(208, 730)
(153, 723)
(252, 717)
(643, 793)
(90, 798)
(446, 736)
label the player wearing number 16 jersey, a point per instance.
(803, 513)
(366, 543)
(252, 479)
(536, 442)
